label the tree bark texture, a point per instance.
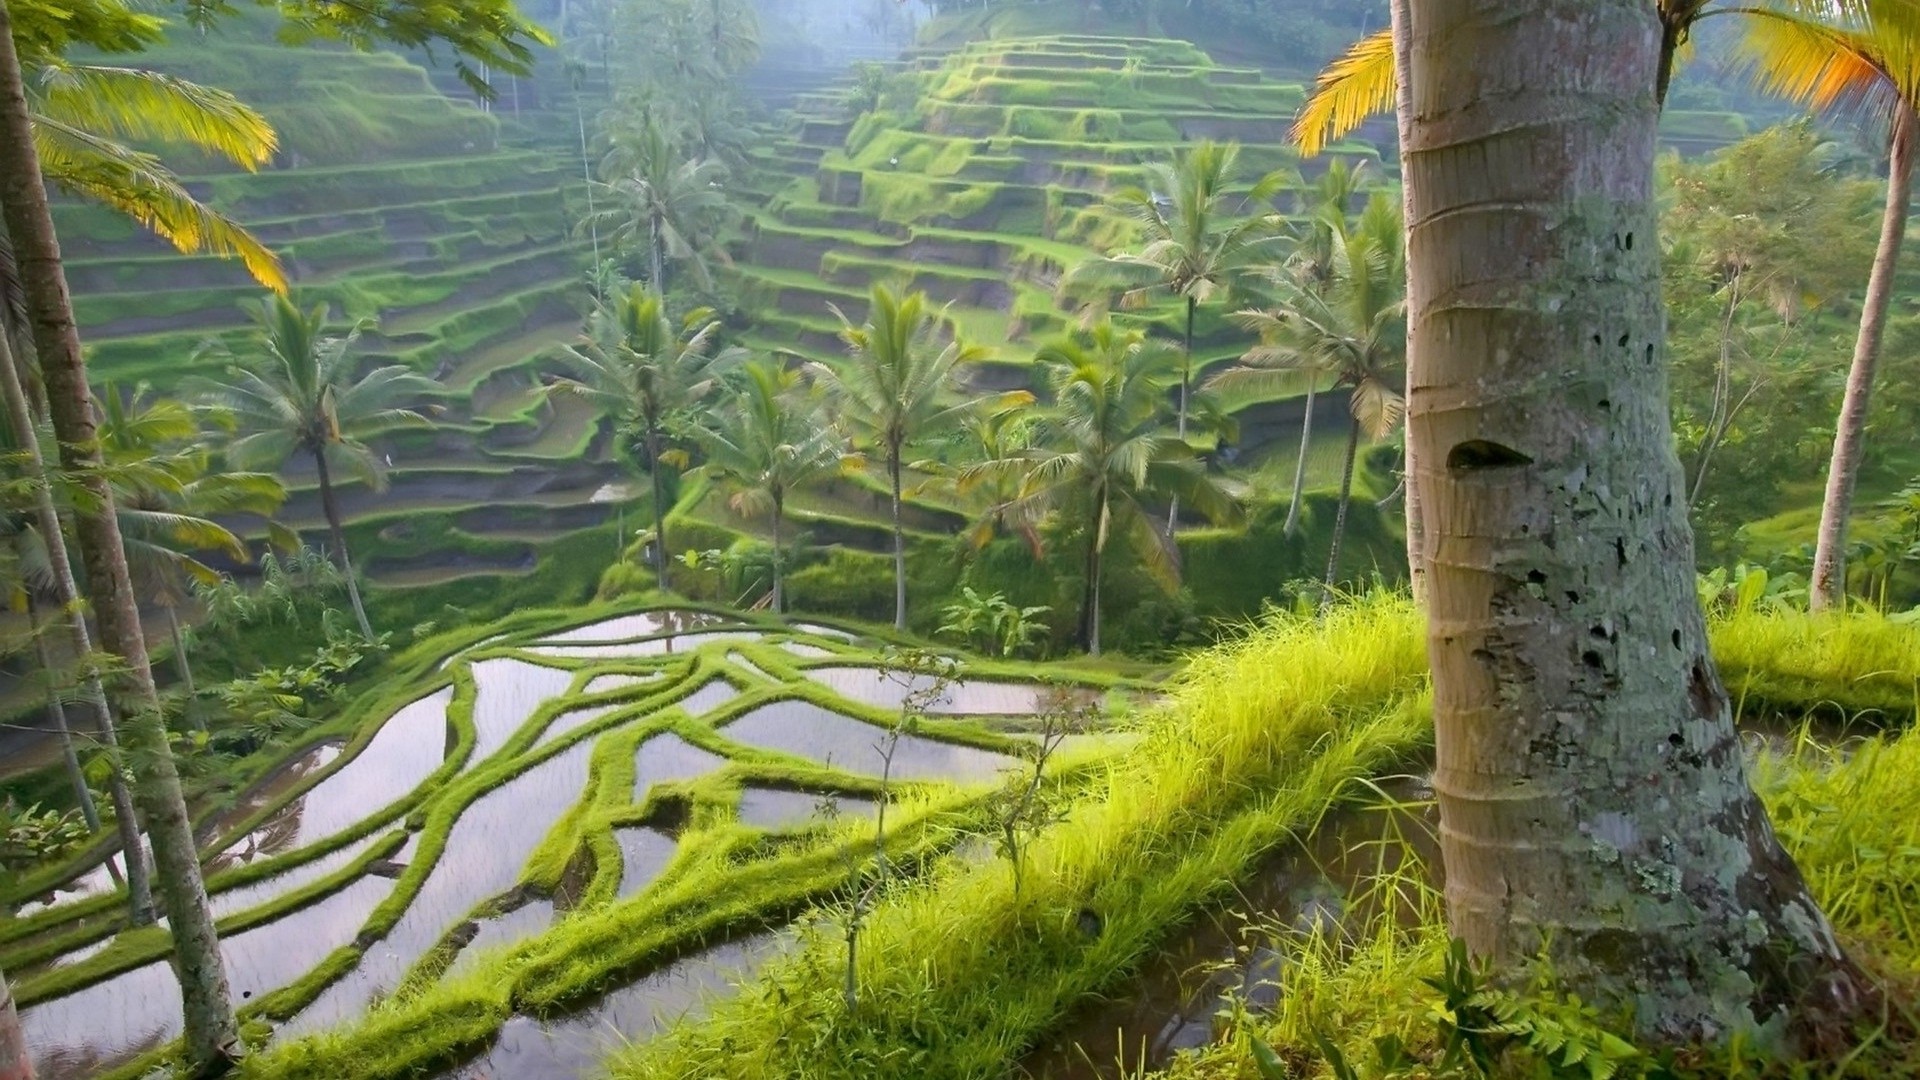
(339, 536)
(210, 1032)
(14, 1062)
(1416, 518)
(1849, 436)
(79, 638)
(659, 502)
(1594, 801)
(899, 543)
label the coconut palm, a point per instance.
(668, 205)
(1104, 452)
(299, 394)
(1197, 242)
(636, 366)
(169, 493)
(1353, 328)
(896, 387)
(771, 439)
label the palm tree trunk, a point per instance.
(1186, 387)
(1830, 553)
(211, 1035)
(657, 252)
(57, 712)
(14, 1062)
(899, 544)
(184, 667)
(1300, 466)
(779, 577)
(80, 639)
(1400, 13)
(659, 502)
(339, 536)
(1568, 650)
(1090, 596)
(1719, 419)
(1340, 516)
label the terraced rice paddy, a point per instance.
(542, 781)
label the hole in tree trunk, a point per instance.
(1476, 455)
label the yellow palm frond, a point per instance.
(1824, 66)
(1357, 85)
(150, 106)
(137, 185)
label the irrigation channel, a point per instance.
(537, 777)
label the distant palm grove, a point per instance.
(840, 538)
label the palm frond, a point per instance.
(151, 106)
(1361, 83)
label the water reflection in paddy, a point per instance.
(484, 852)
(251, 896)
(508, 692)
(263, 794)
(873, 686)
(111, 1022)
(408, 748)
(627, 627)
(572, 1048)
(644, 853)
(778, 808)
(650, 647)
(667, 758)
(809, 731)
(501, 930)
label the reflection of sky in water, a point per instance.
(809, 731)
(250, 896)
(653, 647)
(626, 627)
(484, 853)
(873, 686)
(573, 1047)
(776, 808)
(282, 780)
(508, 693)
(667, 758)
(111, 1022)
(503, 930)
(644, 853)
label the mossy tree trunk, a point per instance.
(1401, 15)
(1849, 436)
(339, 537)
(14, 1062)
(211, 1035)
(79, 638)
(1593, 795)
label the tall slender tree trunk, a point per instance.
(899, 543)
(57, 712)
(1300, 466)
(183, 666)
(1843, 471)
(79, 638)
(659, 502)
(657, 253)
(1340, 516)
(779, 556)
(339, 537)
(1186, 389)
(1593, 795)
(1090, 596)
(1401, 16)
(211, 1035)
(14, 1062)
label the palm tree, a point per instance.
(896, 388)
(669, 205)
(300, 395)
(1194, 247)
(1871, 62)
(645, 373)
(169, 493)
(771, 439)
(1105, 452)
(1352, 327)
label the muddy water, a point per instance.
(628, 627)
(508, 692)
(777, 808)
(112, 1022)
(667, 758)
(484, 853)
(872, 686)
(809, 731)
(1230, 949)
(644, 853)
(572, 1048)
(661, 646)
(408, 748)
